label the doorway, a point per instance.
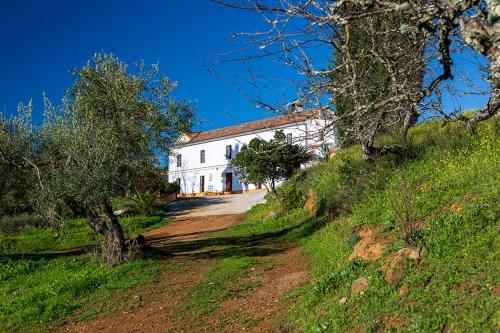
(229, 182)
(202, 184)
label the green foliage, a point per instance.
(323, 153)
(15, 183)
(171, 188)
(290, 194)
(113, 125)
(219, 283)
(269, 162)
(73, 233)
(142, 203)
(14, 188)
(101, 143)
(16, 223)
(36, 292)
(442, 196)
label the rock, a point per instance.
(414, 253)
(359, 285)
(343, 300)
(120, 212)
(311, 203)
(393, 265)
(403, 291)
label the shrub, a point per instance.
(403, 204)
(290, 195)
(142, 203)
(171, 188)
(18, 223)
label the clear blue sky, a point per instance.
(42, 41)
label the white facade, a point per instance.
(214, 174)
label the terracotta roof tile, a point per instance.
(291, 118)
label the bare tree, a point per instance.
(402, 38)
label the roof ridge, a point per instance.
(259, 120)
(250, 126)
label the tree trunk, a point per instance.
(411, 119)
(116, 247)
(96, 223)
(481, 33)
(492, 107)
(367, 153)
(371, 153)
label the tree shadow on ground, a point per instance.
(258, 245)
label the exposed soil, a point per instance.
(261, 310)
(393, 268)
(156, 308)
(191, 227)
(392, 322)
(372, 244)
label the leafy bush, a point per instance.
(290, 195)
(142, 203)
(18, 223)
(171, 188)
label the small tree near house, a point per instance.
(269, 162)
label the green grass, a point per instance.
(451, 287)
(34, 293)
(73, 233)
(220, 282)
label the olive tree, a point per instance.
(103, 141)
(405, 38)
(269, 162)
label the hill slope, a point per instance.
(406, 244)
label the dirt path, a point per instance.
(191, 228)
(157, 307)
(263, 309)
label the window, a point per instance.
(179, 183)
(179, 160)
(289, 138)
(202, 156)
(228, 152)
(321, 135)
(209, 177)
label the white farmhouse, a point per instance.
(199, 161)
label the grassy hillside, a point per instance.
(38, 290)
(419, 233)
(409, 243)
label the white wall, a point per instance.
(216, 164)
